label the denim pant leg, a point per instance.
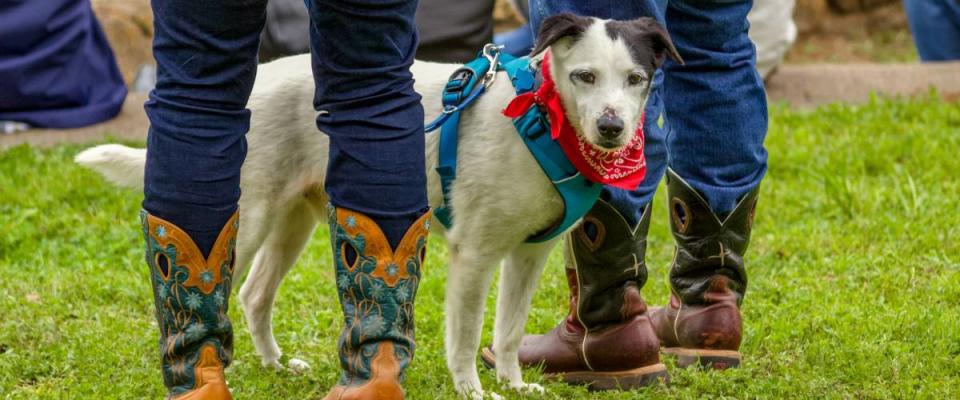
(716, 101)
(629, 203)
(936, 28)
(362, 52)
(206, 54)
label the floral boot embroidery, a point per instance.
(377, 286)
(191, 297)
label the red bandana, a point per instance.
(624, 168)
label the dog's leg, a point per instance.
(468, 280)
(254, 226)
(277, 255)
(518, 282)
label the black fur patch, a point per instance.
(560, 26)
(648, 42)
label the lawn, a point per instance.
(854, 284)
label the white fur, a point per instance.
(609, 61)
(500, 197)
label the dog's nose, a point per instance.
(610, 126)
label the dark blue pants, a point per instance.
(206, 56)
(716, 103)
(936, 28)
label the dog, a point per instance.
(602, 70)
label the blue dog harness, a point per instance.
(470, 82)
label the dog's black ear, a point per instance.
(660, 41)
(557, 27)
(647, 40)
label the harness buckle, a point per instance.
(458, 82)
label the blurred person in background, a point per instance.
(936, 28)
(772, 30)
(449, 30)
(454, 30)
(56, 68)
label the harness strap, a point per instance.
(578, 193)
(462, 89)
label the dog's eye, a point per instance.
(584, 76)
(635, 79)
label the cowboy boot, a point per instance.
(702, 324)
(606, 341)
(190, 293)
(376, 287)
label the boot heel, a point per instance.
(618, 380)
(704, 358)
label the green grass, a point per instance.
(854, 283)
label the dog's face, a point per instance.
(603, 71)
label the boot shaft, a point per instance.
(708, 261)
(377, 286)
(191, 295)
(606, 257)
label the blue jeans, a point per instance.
(936, 28)
(518, 42)
(716, 103)
(206, 56)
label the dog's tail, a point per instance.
(121, 165)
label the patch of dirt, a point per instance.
(505, 17)
(834, 31)
(128, 25)
(845, 31)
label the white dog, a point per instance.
(500, 198)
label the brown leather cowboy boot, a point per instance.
(702, 324)
(606, 341)
(190, 292)
(376, 286)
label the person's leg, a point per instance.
(605, 257)
(206, 56)
(362, 52)
(773, 31)
(518, 42)
(716, 101)
(717, 159)
(936, 28)
(376, 180)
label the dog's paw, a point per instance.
(297, 365)
(478, 394)
(273, 364)
(482, 395)
(524, 387)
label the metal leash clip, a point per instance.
(492, 53)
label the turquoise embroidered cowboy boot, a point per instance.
(190, 292)
(376, 286)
